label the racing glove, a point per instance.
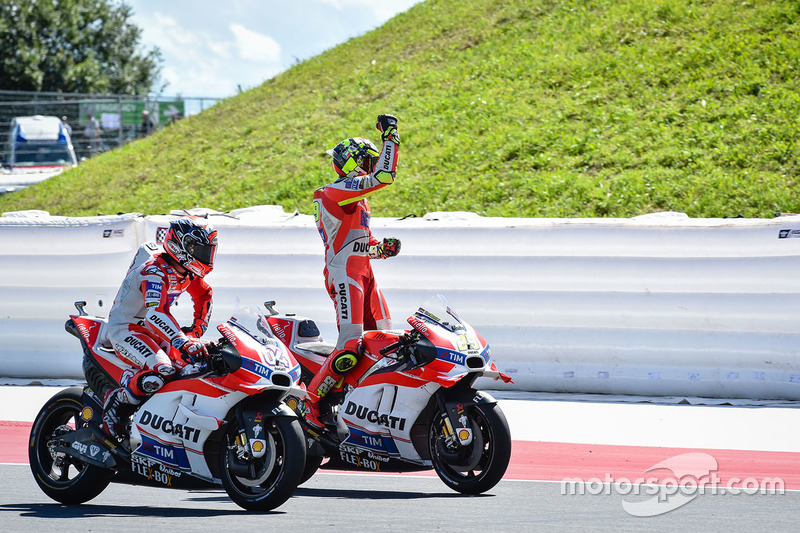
(197, 329)
(388, 248)
(191, 350)
(387, 125)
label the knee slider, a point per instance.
(151, 383)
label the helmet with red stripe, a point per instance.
(192, 245)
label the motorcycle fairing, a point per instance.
(378, 417)
(262, 354)
(87, 329)
(145, 471)
(171, 429)
(468, 352)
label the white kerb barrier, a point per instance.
(654, 305)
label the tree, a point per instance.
(83, 46)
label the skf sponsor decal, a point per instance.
(364, 413)
(153, 471)
(360, 462)
(362, 458)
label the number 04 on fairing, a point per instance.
(221, 422)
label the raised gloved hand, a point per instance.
(387, 125)
(388, 248)
(192, 350)
(197, 329)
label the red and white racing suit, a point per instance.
(140, 326)
(342, 214)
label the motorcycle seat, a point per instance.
(317, 347)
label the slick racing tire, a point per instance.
(62, 477)
(479, 466)
(313, 462)
(269, 480)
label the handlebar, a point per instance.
(406, 340)
(215, 361)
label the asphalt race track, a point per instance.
(628, 485)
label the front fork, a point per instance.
(454, 402)
(250, 442)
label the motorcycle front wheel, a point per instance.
(262, 484)
(479, 466)
(312, 465)
(62, 477)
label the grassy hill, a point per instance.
(532, 108)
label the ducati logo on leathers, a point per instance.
(343, 309)
(158, 321)
(137, 345)
(360, 247)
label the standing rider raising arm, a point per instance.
(342, 215)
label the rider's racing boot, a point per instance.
(330, 375)
(311, 413)
(117, 405)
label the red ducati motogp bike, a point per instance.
(409, 403)
(222, 421)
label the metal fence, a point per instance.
(97, 122)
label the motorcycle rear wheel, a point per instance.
(275, 476)
(62, 477)
(479, 466)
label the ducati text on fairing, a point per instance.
(409, 402)
(221, 421)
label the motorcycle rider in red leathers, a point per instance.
(140, 326)
(342, 215)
